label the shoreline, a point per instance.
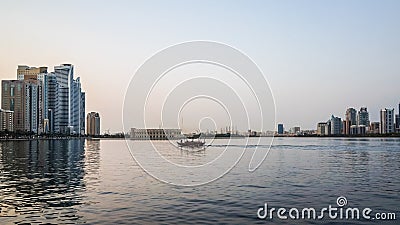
(119, 138)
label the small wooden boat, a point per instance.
(191, 143)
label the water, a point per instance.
(97, 182)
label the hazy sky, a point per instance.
(319, 56)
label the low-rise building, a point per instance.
(6, 120)
(155, 134)
(295, 130)
(374, 128)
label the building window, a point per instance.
(12, 104)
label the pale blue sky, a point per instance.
(319, 56)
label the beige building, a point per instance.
(24, 98)
(26, 72)
(155, 134)
(6, 120)
(374, 128)
(13, 99)
(93, 124)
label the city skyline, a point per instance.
(47, 88)
(31, 75)
(45, 102)
(311, 60)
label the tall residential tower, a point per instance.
(387, 121)
(93, 124)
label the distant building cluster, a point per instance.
(358, 123)
(293, 131)
(354, 123)
(40, 102)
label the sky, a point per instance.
(319, 57)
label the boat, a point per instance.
(192, 143)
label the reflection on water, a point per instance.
(43, 180)
(97, 182)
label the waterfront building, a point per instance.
(50, 98)
(346, 127)
(13, 99)
(155, 134)
(77, 108)
(363, 117)
(362, 122)
(24, 98)
(33, 102)
(398, 121)
(374, 128)
(323, 129)
(45, 102)
(93, 124)
(351, 119)
(294, 130)
(387, 121)
(34, 96)
(70, 107)
(6, 120)
(353, 129)
(362, 129)
(335, 125)
(280, 129)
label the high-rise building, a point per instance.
(13, 98)
(323, 129)
(336, 125)
(93, 123)
(6, 120)
(362, 123)
(34, 96)
(45, 102)
(350, 120)
(280, 129)
(77, 110)
(82, 113)
(398, 121)
(50, 98)
(64, 77)
(33, 109)
(70, 113)
(363, 117)
(387, 121)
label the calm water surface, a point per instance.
(97, 182)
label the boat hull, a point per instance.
(191, 144)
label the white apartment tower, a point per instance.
(387, 121)
(70, 113)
